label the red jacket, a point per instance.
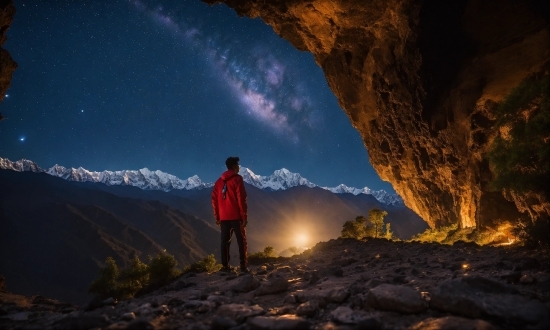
(233, 206)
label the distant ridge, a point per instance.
(157, 180)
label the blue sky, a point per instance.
(171, 86)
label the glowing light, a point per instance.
(22, 139)
(465, 266)
(301, 239)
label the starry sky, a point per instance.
(176, 86)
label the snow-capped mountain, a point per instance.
(143, 178)
(22, 165)
(280, 179)
(157, 180)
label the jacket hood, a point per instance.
(228, 175)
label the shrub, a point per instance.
(269, 252)
(162, 269)
(133, 279)
(206, 265)
(355, 229)
(435, 235)
(138, 277)
(106, 285)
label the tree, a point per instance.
(355, 229)
(387, 232)
(376, 219)
(106, 285)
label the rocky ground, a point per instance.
(340, 284)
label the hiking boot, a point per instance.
(225, 270)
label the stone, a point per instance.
(21, 316)
(222, 323)
(346, 315)
(140, 324)
(284, 322)
(314, 278)
(276, 285)
(246, 283)
(82, 322)
(43, 301)
(218, 300)
(371, 323)
(452, 323)
(338, 295)
(396, 298)
(527, 279)
(477, 298)
(239, 312)
(308, 308)
(128, 316)
(290, 299)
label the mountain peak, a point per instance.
(157, 180)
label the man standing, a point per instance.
(230, 211)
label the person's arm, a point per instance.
(241, 198)
(215, 206)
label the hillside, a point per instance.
(53, 227)
(339, 284)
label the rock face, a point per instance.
(420, 81)
(7, 64)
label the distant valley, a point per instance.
(55, 233)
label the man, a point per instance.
(230, 211)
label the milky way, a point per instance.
(262, 82)
(176, 86)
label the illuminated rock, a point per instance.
(420, 81)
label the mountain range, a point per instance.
(55, 233)
(157, 180)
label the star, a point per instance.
(22, 139)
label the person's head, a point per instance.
(232, 163)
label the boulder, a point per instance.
(276, 285)
(484, 298)
(346, 315)
(452, 323)
(239, 312)
(284, 322)
(396, 298)
(309, 308)
(246, 283)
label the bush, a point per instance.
(373, 227)
(269, 252)
(133, 279)
(106, 285)
(206, 265)
(138, 277)
(355, 229)
(162, 269)
(435, 235)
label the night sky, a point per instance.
(176, 86)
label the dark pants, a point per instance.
(227, 228)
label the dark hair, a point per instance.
(231, 161)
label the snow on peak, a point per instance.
(280, 179)
(23, 165)
(157, 180)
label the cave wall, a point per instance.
(7, 64)
(420, 81)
